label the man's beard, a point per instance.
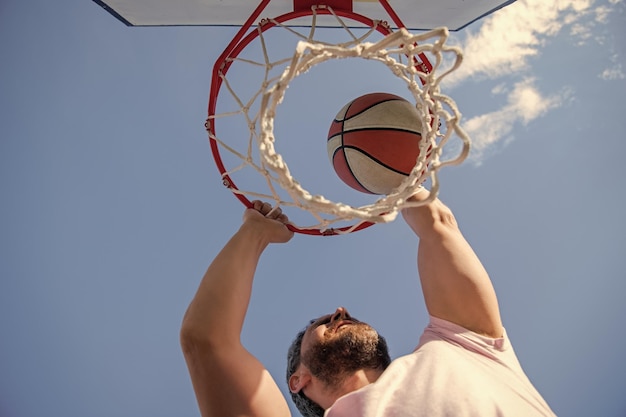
(354, 347)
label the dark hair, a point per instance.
(305, 405)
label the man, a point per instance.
(463, 366)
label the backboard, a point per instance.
(416, 14)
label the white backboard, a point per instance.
(416, 14)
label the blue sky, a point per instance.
(112, 207)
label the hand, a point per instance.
(422, 218)
(270, 222)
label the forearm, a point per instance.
(229, 380)
(455, 284)
(218, 309)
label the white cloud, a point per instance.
(509, 38)
(505, 45)
(613, 73)
(525, 103)
(582, 32)
(602, 14)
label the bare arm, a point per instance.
(227, 379)
(456, 286)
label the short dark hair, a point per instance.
(305, 405)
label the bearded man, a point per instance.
(339, 366)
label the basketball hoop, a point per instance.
(405, 55)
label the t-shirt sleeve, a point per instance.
(498, 349)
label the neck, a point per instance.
(351, 383)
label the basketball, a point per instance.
(373, 142)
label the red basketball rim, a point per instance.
(239, 43)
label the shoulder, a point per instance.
(455, 336)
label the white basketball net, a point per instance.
(399, 52)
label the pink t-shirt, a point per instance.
(454, 373)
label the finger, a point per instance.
(274, 213)
(265, 208)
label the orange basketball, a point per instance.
(373, 143)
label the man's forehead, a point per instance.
(320, 318)
(314, 323)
